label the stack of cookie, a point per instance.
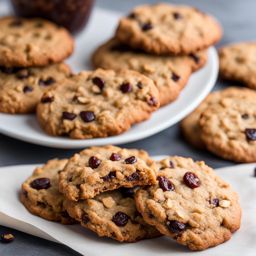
(225, 124)
(125, 195)
(31, 55)
(162, 41)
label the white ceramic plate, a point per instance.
(100, 28)
(14, 215)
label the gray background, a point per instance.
(238, 20)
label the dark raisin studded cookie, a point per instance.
(22, 88)
(190, 203)
(32, 42)
(238, 63)
(40, 193)
(228, 128)
(97, 103)
(168, 29)
(170, 74)
(112, 214)
(190, 125)
(99, 169)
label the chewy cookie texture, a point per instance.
(190, 203)
(101, 169)
(123, 194)
(168, 29)
(97, 103)
(40, 193)
(169, 73)
(22, 88)
(32, 42)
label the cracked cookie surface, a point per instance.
(238, 63)
(97, 103)
(170, 74)
(99, 169)
(32, 42)
(22, 88)
(168, 29)
(40, 193)
(112, 214)
(190, 203)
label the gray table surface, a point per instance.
(238, 20)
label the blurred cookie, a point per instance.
(97, 103)
(168, 29)
(40, 193)
(190, 203)
(22, 88)
(238, 63)
(32, 42)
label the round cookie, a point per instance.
(32, 42)
(238, 63)
(97, 103)
(22, 88)
(99, 169)
(40, 194)
(112, 214)
(168, 29)
(190, 125)
(190, 203)
(228, 128)
(170, 74)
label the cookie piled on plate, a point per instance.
(162, 41)
(31, 55)
(225, 124)
(125, 195)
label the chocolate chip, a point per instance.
(177, 16)
(175, 226)
(120, 48)
(171, 164)
(8, 71)
(250, 134)
(195, 58)
(245, 116)
(68, 115)
(140, 85)
(175, 77)
(99, 82)
(27, 89)
(94, 162)
(127, 192)
(146, 26)
(134, 176)
(132, 15)
(115, 157)
(215, 202)
(87, 116)
(110, 176)
(7, 238)
(126, 87)
(64, 214)
(16, 23)
(165, 184)
(130, 160)
(46, 82)
(40, 183)
(47, 99)
(120, 219)
(152, 101)
(23, 73)
(85, 218)
(191, 180)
